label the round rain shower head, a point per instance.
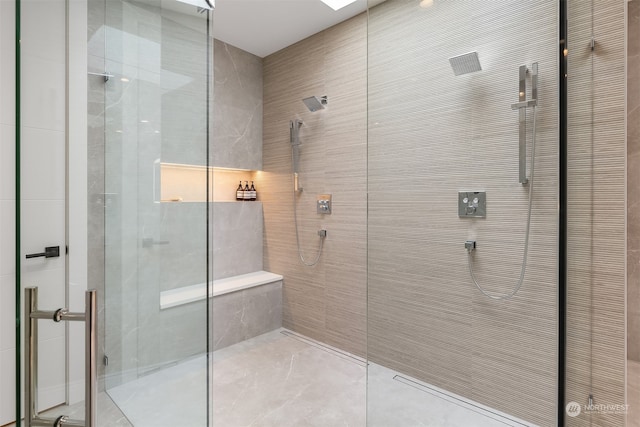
(314, 103)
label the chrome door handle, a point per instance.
(31, 317)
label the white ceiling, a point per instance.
(263, 27)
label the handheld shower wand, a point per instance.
(294, 132)
(294, 137)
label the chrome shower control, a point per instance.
(323, 204)
(470, 245)
(472, 204)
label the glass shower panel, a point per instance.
(440, 351)
(155, 161)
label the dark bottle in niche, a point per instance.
(240, 193)
(247, 191)
(254, 194)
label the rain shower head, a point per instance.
(314, 103)
(464, 64)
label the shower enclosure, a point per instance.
(125, 161)
(156, 199)
(438, 348)
(429, 171)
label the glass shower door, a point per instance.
(155, 214)
(441, 91)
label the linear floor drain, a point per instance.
(336, 352)
(461, 401)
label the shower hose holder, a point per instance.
(470, 245)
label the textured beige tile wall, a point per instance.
(328, 301)
(432, 134)
(426, 142)
(596, 208)
(633, 178)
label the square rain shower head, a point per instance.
(314, 103)
(464, 64)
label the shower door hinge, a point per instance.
(590, 400)
(593, 43)
(105, 360)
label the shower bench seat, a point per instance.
(244, 306)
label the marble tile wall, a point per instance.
(237, 238)
(241, 315)
(328, 301)
(633, 179)
(156, 109)
(237, 108)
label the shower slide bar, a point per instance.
(522, 108)
(31, 317)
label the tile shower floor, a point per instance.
(282, 379)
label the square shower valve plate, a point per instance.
(472, 204)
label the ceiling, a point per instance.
(263, 27)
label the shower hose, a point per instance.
(526, 236)
(295, 221)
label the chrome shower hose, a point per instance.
(523, 267)
(295, 221)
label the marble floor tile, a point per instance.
(281, 379)
(401, 401)
(174, 396)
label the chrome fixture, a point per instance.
(294, 139)
(106, 76)
(470, 245)
(296, 183)
(31, 317)
(522, 108)
(465, 64)
(314, 103)
(472, 204)
(323, 204)
(294, 131)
